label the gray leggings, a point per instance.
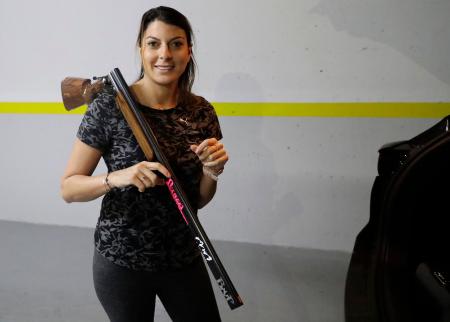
(129, 296)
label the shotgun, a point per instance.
(78, 91)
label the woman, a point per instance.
(143, 248)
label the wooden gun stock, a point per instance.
(79, 91)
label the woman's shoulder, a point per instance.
(196, 102)
(104, 103)
(104, 98)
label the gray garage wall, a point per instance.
(295, 181)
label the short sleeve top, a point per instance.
(144, 231)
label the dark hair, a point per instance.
(172, 17)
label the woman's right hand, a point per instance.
(141, 175)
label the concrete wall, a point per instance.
(296, 181)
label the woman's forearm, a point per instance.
(208, 188)
(79, 188)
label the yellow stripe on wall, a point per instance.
(37, 108)
(397, 109)
(368, 109)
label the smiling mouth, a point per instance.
(164, 68)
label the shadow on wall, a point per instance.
(251, 159)
(417, 29)
(238, 87)
(254, 163)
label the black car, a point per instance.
(400, 267)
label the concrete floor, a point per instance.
(45, 275)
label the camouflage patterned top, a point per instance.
(144, 231)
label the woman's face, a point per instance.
(165, 53)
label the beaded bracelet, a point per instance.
(209, 173)
(107, 184)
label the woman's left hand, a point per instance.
(212, 154)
